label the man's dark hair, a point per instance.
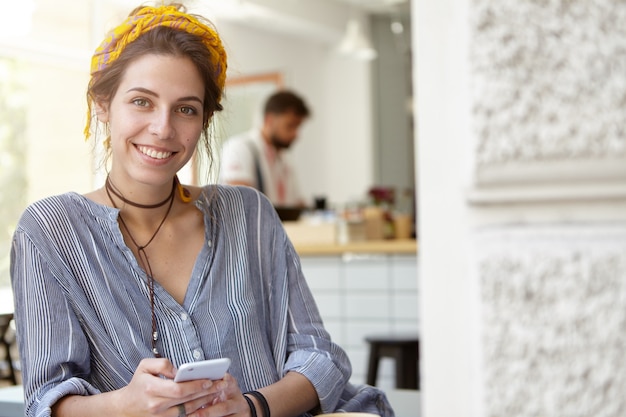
(286, 101)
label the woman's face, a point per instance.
(155, 118)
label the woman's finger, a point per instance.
(157, 367)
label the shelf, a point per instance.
(392, 246)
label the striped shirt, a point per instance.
(83, 313)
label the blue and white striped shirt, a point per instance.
(83, 311)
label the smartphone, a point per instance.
(208, 369)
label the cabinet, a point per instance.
(361, 294)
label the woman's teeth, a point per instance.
(154, 154)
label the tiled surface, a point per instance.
(335, 328)
(322, 272)
(404, 270)
(359, 295)
(403, 306)
(368, 305)
(329, 303)
(363, 273)
(404, 327)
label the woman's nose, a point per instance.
(161, 125)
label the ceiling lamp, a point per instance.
(355, 44)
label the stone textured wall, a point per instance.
(554, 320)
(549, 79)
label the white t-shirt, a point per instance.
(237, 164)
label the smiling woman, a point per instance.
(117, 288)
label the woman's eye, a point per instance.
(189, 111)
(141, 102)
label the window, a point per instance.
(44, 70)
(13, 120)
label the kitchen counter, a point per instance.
(391, 246)
(363, 288)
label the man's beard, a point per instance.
(278, 144)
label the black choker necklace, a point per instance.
(111, 189)
(142, 256)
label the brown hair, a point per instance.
(286, 101)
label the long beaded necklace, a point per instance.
(141, 249)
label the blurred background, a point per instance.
(503, 121)
(350, 61)
(45, 50)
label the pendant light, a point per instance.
(355, 44)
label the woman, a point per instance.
(116, 289)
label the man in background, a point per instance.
(257, 159)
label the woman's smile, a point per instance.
(153, 153)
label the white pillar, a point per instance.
(521, 151)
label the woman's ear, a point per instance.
(102, 111)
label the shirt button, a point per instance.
(197, 354)
(184, 316)
(209, 243)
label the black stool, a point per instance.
(404, 349)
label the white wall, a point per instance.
(334, 152)
(440, 37)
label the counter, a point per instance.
(322, 238)
(363, 288)
(391, 246)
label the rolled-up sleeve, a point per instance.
(53, 350)
(311, 352)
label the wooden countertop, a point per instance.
(391, 246)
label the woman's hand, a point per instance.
(152, 391)
(228, 401)
(291, 396)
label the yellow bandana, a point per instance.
(147, 19)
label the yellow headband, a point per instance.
(146, 19)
